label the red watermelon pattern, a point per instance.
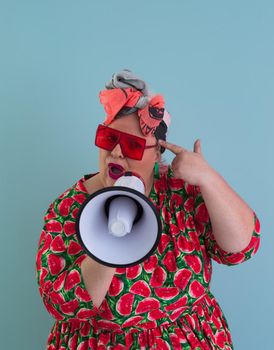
(163, 303)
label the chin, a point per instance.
(108, 180)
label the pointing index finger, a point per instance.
(172, 147)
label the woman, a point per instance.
(164, 302)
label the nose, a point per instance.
(117, 152)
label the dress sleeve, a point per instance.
(58, 270)
(204, 228)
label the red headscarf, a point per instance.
(150, 116)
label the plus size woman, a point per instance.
(164, 302)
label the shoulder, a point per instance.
(64, 204)
(168, 183)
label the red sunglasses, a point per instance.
(132, 146)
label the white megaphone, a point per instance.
(119, 226)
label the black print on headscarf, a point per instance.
(148, 129)
(156, 113)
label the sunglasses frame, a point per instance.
(121, 135)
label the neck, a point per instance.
(149, 184)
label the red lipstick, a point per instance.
(115, 170)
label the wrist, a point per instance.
(209, 179)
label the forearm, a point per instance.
(97, 279)
(231, 218)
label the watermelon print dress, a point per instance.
(163, 303)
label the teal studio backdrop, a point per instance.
(212, 61)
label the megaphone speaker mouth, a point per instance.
(118, 226)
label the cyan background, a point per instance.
(212, 61)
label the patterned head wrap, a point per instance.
(126, 94)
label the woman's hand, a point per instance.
(188, 165)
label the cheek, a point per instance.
(144, 166)
(150, 157)
(102, 158)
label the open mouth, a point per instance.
(115, 170)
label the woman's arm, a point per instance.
(231, 218)
(97, 279)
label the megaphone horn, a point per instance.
(119, 226)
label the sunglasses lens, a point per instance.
(133, 147)
(106, 138)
